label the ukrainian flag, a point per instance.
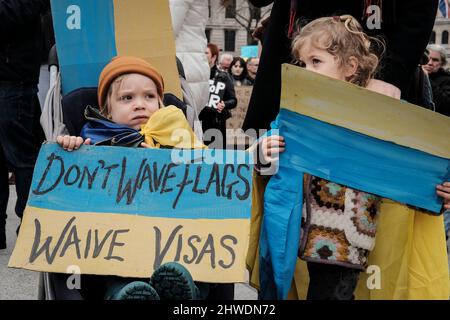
(89, 33)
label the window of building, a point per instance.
(230, 11)
(209, 8)
(444, 37)
(230, 40)
(208, 35)
(433, 37)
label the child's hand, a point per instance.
(272, 146)
(443, 190)
(71, 143)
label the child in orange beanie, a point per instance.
(132, 114)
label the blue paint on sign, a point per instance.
(85, 40)
(193, 184)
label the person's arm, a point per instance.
(261, 3)
(406, 40)
(16, 14)
(178, 11)
(230, 95)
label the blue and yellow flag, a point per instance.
(347, 134)
(89, 33)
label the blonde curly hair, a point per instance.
(343, 37)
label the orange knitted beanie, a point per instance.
(122, 65)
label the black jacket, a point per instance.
(440, 84)
(406, 27)
(21, 40)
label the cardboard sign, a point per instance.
(391, 148)
(125, 211)
(237, 136)
(249, 51)
(89, 33)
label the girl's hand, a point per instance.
(71, 143)
(443, 190)
(272, 146)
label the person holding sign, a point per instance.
(132, 114)
(336, 47)
(222, 98)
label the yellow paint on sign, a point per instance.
(361, 110)
(131, 246)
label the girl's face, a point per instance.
(321, 61)
(237, 68)
(133, 101)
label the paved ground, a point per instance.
(18, 284)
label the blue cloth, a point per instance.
(21, 137)
(280, 231)
(105, 132)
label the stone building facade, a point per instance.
(223, 29)
(441, 32)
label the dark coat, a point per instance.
(212, 119)
(21, 39)
(406, 27)
(440, 84)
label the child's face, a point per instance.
(134, 101)
(321, 61)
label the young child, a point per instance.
(130, 93)
(338, 48)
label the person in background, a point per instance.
(439, 78)
(225, 61)
(212, 55)
(214, 115)
(238, 72)
(252, 69)
(189, 18)
(21, 134)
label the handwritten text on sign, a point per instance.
(125, 211)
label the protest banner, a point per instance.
(385, 146)
(249, 52)
(125, 211)
(89, 33)
(237, 137)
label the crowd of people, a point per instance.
(330, 40)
